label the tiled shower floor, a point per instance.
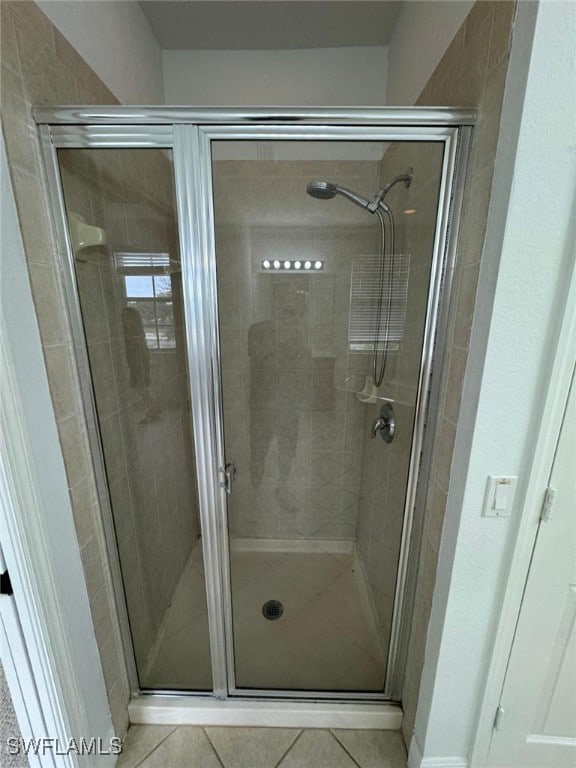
(326, 639)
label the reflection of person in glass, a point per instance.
(138, 359)
(269, 419)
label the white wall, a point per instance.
(519, 309)
(354, 76)
(115, 39)
(423, 32)
(309, 77)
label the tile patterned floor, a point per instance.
(150, 746)
(326, 639)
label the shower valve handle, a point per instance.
(385, 424)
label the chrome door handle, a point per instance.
(385, 424)
(229, 471)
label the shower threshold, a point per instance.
(161, 709)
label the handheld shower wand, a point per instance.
(325, 190)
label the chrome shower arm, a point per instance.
(405, 178)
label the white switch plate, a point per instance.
(499, 498)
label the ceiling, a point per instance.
(270, 24)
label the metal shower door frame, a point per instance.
(189, 133)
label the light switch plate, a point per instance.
(500, 490)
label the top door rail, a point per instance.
(157, 115)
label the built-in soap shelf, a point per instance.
(83, 235)
(363, 387)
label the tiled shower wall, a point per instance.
(295, 435)
(472, 73)
(38, 66)
(384, 471)
(149, 461)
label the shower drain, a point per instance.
(272, 609)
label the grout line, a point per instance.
(288, 750)
(156, 747)
(345, 750)
(205, 732)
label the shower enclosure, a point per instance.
(258, 298)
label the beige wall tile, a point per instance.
(118, 696)
(488, 122)
(19, 133)
(91, 554)
(84, 503)
(410, 695)
(291, 359)
(45, 78)
(8, 47)
(90, 90)
(456, 371)
(64, 385)
(32, 212)
(474, 215)
(102, 617)
(110, 651)
(48, 299)
(36, 21)
(466, 286)
(502, 21)
(10, 82)
(443, 453)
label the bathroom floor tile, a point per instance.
(251, 747)
(150, 746)
(374, 749)
(186, 747)
(140, 741)
(317, 749)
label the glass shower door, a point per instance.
(122, 228)
(309, 310)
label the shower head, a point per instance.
(324, 190)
